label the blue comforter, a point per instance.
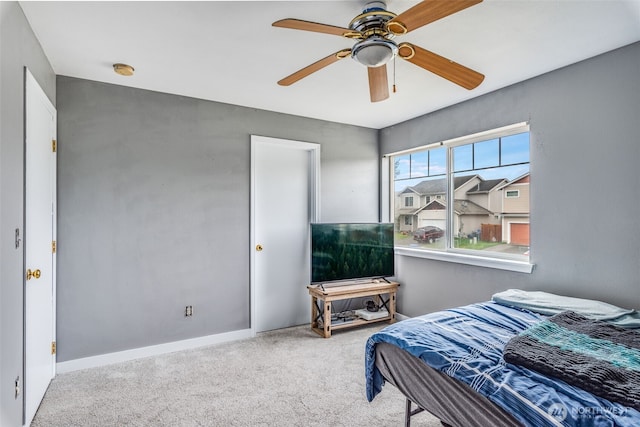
(466, 343)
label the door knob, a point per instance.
(258, 248)
(35, 274)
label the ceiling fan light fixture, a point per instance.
(374, 51)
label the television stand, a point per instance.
(321, 315)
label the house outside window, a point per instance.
(408, 201)
(472, 194)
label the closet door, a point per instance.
(39, 246)
(284, 181)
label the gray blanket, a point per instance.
(596, 356)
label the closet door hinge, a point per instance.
(54, 145)
(53, 246)
(53, 347)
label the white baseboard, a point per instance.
(153, 350)
(401, 317)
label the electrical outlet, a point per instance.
(188, 311)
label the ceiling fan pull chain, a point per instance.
(394, 74)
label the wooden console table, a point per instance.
(321, 316)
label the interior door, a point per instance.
(39, 235)
(284, 202)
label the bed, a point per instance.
(452, 363)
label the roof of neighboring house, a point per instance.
(461, 207)
(407, 211)
(431, 186)
(461, 180)
(409, 190)
(522, 178)
(467, 207)
(484, 186)
(436, 186)
(434, 205)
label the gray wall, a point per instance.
(154, 199)
(585, 204)
(18, 48)
(154, 205)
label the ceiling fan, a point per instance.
(374, 29)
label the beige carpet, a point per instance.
(289, 377)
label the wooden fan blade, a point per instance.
(426, 12)
(318, 65)
(298, 24)
(446, 68)
(378, 83)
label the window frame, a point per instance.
(450, 253)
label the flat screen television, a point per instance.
(348, 251)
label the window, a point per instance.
(471, 197)
(408, 201)
(407, 220)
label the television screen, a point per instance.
(344, 251)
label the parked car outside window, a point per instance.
(428, 234)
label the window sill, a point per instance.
(497, 263)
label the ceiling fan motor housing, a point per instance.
(376, 48)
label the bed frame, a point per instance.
(450, 400)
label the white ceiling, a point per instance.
(229, 52)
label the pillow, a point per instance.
(550, 304)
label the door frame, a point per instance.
(31, 85)
(314, 201)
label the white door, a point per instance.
(284, 202)
(39, 235)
